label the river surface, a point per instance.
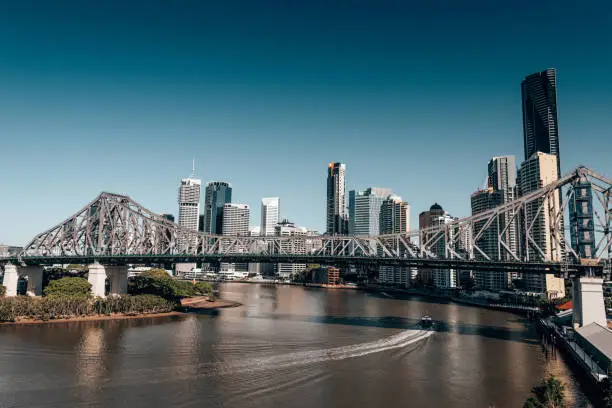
(286, 346)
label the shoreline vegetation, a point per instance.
(188, 306)
(152, 294)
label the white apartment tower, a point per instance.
(537, 171)
(236, 219)
(189, 214)
(236, 223)
(270, 215)
(364, 210)
(189, 203)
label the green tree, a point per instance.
(204, 288)
(156, 273)
(2, 291)
(74, 288)
(549, 394)
(157, 282)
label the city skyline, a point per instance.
(417, 116)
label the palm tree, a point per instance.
(549, 394)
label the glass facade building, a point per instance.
(540, 125)
(218, 193)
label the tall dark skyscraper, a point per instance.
(218, 193)
(540, 125)
(337, 218)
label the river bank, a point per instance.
(188, 305)
(202, 302)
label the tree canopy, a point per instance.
(68, 287)
(158, 282)
(156, 273)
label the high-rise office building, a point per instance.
(286, 228)
(537, 171)
(501, 189)
(236, 219)
(236, 223)
(394, 216)
(189, 211)
(189, 203)
(502, 180)
(582, 226)
(436, 216)
(488, 241)
(270, 215)
(337, 218)
(540, 125)
(364, 210)
(426, 217)
(218, 193)
(444, 278)
(395, 219)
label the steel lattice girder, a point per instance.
(114, 225)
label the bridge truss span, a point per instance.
(114, 228)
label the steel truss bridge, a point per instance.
(115, 230)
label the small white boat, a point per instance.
(426, 321)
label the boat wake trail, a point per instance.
(396, 341)
(249, 366)
(283, 361)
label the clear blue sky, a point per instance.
(412, 95)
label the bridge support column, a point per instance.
(35, 280)
(588, 302)
(97, 278)
(11, 276)
(118, 280)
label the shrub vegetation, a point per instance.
(152, 292)
(60, 308)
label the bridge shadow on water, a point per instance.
(406, 323)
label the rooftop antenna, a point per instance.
(193, 168)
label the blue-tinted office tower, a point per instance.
(218, 193)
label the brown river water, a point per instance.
(287, 346)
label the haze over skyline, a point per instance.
(414, 97)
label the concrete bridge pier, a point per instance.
(35, 279)
(118, 280)
(97, 278)
(11, 276)
(588, 301)
(12, 273)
